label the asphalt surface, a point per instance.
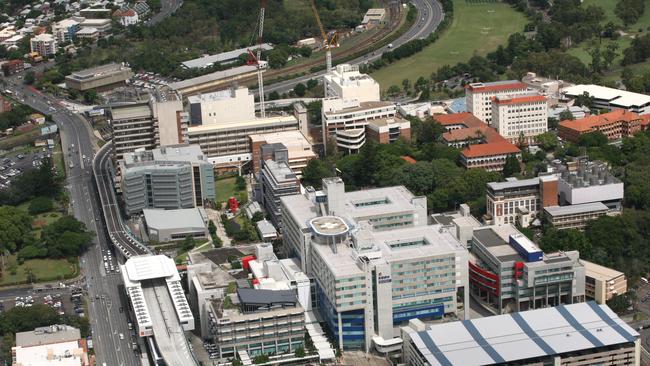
(430, 15)
(106, 319)
(168, 8)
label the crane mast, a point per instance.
(327, 44)
(260, 80)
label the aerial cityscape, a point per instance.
(307, 182)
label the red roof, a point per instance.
(498, 86)
(589, 122)
(465, 118)
(124, 13)
(520, 99)
(408, 159)
(489, 149)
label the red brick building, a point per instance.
(5, 105)
(13, 67)
(615, 125)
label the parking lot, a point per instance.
(14, 164)
(70, 303)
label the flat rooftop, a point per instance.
(215, 76)
(520, 183)
(582, 208)
(329, 225)
(508, 338)
(174, 153)
(363, 106)
(128, 111)
(45, 335)
(254, 123)
(60, 354)
(600, 272)
(211, 97)
(206, 61)
(281, 171)
(296, 143)
(98, 71)
(615, 97)
(189, 218)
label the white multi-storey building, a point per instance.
(375, 261)
(225, 106)
(65, 30)
(44, 44)
(346, 82)
(520, 117)
(478, 96)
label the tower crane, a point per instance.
(328, 42)
(257, 59)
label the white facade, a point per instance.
(45, 44)
(346, 82)
(65, 30)
(478, 96)
(226, 106)
(524, 117)
(610, 98)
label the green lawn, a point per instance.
(581, 50)
(225, 189)
(42, 269)
(477, 28)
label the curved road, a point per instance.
(168, 7)
(430, 15)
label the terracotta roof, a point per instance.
(124, 13)
(589, 122)
(465, 118)
(464, 134)
(408, 159)
(489, 149)
(498, 86)
(645, 121)
(520, 99)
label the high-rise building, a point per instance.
(65, 30)
(509, 273)
(478, 96)
(375, 261)
(521, 117)
(171, 177)
(346, 82)
(147, 125)
(277, 181)
(225, 106)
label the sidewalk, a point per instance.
(215, 216)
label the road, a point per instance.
(430, 15)
(168, 7)
(106, 320)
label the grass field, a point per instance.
(609, 5)
(41, 269)
(477, 28)
(581, 51)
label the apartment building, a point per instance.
(298, 149)
(509, 273)
(5, 105)
(568, 335)
(614, 125)
(44, 44)
(146, 125)
(257, 322)
(519, 201)
(375, 261)
(603, 283)
(171, 177)
(479, 96)
(520, 118)
(351, 122)
(574, 216)
(277, 180)
(13, 67)
(65, 30)
(100, 77)
(346, 82)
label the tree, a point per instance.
(511, 166)
(314, 172)
(312, 83)
(73, 94)
(40, 205)
(240, 183)
(15, 229)
(90, 96)
(274, 95)
(300, 89)
(547, 140)
(609, 54)
(300, 352)
(236, 362)
(393, 91)
(406, 85)
(629, 11)
(566, 115)
(29, 78)
(212, 228)
(592, 139)
(66, 237)
(188, 243)
(257, 216)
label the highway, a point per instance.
(168, 7)
(106, 319)
(430, 15)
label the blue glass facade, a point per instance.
(422, 311)
(352, 321)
